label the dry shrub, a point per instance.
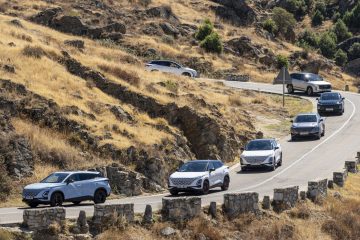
(5, 235)
(235, 100)
(201, 225)
(21, 36)
(301, 211)
(337, 230)
(35, 52)
(277, 230)
(5, 184)
(54, 229)
(260, 99)
(129, 77)
(241, 223)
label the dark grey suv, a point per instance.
(331, 103)
(306, 125)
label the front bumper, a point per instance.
(185, 189)
(298, 132)
(36, 200)
(329, 108)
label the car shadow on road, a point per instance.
(70, 205)
(188, 194)
(254, 171)
(304, 139)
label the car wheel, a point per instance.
(99, 196)
(186, 74)
(290, 88)
(154, 70)
(206, 187)
(293, 138)
(174, 192)
(226, 183)
(323, 132)
(280, 161)
(76, 202)
(273, 167)
(56, 199)
(318, 136)
(33, 205)
(244, 169)
(309, 91)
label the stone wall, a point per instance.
(339, 178)
(285, 198)
(38, 219)
(106, 214)
(317, 189)
(351, 166)
(239, 203)
(180, 209)
(238, 78)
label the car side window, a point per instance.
(165, 64)
(295, 76)
(210, 166)
(217, 164)
(174, 65)
(75, 177)
(87, 176)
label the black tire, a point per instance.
(154, 70)
(76, 202)
(309, 91)
(56, 199)
(206, 187)
(318, 136)
(33, 205)
(290, 88)
(174, 192)
(323, 132)
(273, 167)
(100, 196)
(186, 74)
(293, 138)
(226, 183)
(244, 169)
(280, 162)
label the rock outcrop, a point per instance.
(353, 67)
(345, 45)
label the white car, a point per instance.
(199, 176)
(309, 83)
(261, 153)
(171, 67)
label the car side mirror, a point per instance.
(242, 149)
(317, 99)
(291, 121)
(277, 147)
(343, 98)
(321, 120)
(211, 169)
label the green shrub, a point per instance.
(321, 7)
(204, 30)
(327, 45)
(341, 57)
(341, 31)
(212, 43)
(317, 19)
(270, 26)
(352, 18)
(35, 52)
(282, 61)
(284, 20)
(354, 51)
(309, 38)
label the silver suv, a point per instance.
(308, 124)
(171, 67)
(309, 83)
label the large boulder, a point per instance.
(353, 67)
(46, 17)
(70, 24)
(169, 29)
(237, 12)
(164, 12)
(314, 65)
(243, 46)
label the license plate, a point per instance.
(181, 186)
(303, 133)
(329, 109)
(29, 197)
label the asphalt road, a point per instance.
(302, 161)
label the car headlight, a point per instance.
(269, 159)
(46, 193)
(199, 181)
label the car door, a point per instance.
(87, 184)
(212, 174)
(71, 189)
(175, 68)
(277, 151)
(220, 174)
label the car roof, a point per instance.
(305, 73)
(71, 172)
(331, 93)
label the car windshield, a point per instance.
(305, 118)
(313, 77)
(259, 145)
(193, 167)
(330, 96)
(55, 178)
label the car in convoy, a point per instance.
(331, 102)
(171, 67)
(306, 125)
(72, 187)
(261, 153)
(308, 82)
(199, 176)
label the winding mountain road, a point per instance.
(302, 161)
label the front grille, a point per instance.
(256, 160)
(182, 181)
(325, 86)
(330, 106)
(304, 129)
(30, 192)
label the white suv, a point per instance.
(72, 187)
(171, 67)
(199, 176)
(309, 83)
(261, 153)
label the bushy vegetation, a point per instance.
(341, 31)
(5, 185)
(317, 19)
(270, 26)
(354, 51)
(327, 45)
(210, 40)
(130, 77)
(35, 52)
(352, 18)
(284, 20)
(282, 61)
(297, 7)
(204, 30)
(309, 39)
(341, 57)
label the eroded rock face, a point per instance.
(353, 67)
(237, 12)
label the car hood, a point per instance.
(190, 69)
(257, 153)
(329, 101)
(305, 124)
(188, 174)
(320, 83)
(38, 186)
